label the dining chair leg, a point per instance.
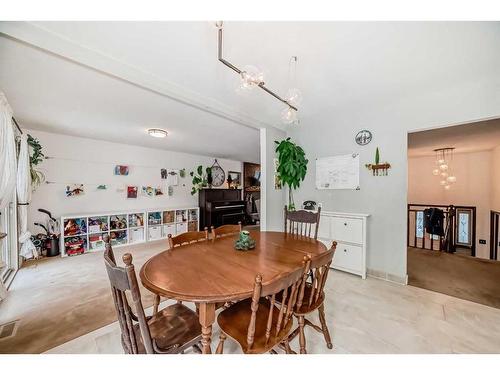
(156, 304)
(220, 347)
(288, 350)
(302, 336)
(324, 327)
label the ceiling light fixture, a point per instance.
(444, 159)
(157, 133)
(252, 77)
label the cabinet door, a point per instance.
(349, 257)
(324, 227)
(348, 230)
(182, 228)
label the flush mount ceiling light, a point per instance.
(443, 167)
(253, 77)
(157, 133)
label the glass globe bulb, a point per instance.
(441, 161)
(447, 187)
(435, 172)
(288, 115)
(443, 167)
(442, 182)
(294, 96)
(451, 179)
(252, 75)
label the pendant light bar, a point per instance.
(239, 71)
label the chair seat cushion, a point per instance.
(305, 308)
(234, 322)
(175, 324)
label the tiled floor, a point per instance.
(369, 316)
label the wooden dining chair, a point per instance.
(170, 331)
(225, 230)
(187, 238)
(177, 241)
(302, 222)
(256, 323)
(312, 298)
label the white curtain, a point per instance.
(28, 250)
(8, 168)
(7, 161)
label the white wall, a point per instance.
(332, 132)
(93, 163)
(495, 179)
(474, 187)
(272, 201)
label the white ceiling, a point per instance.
(341, 66)
(475, 137)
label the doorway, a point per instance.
(452, 172)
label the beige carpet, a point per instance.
(58, 299)
(473, 279)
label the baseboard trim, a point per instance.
(381, 275)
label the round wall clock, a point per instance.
(218, 175)
(363, 137)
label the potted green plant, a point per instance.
(201, 179)
(292, 166)
(36, 157)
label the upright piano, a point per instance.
(220, 206)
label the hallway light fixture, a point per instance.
(252, 77)
(443, 167)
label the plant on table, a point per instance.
(292, 166)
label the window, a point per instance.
(8, 245)
(464, 227)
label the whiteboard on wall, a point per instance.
(338, 172)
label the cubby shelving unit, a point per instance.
(82, 234)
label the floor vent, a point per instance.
(8, 330)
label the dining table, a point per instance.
(212, 272)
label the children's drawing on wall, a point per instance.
(132, 192)
(121, 170)
(120, 189)
(158, 191)
(148, 191)
(173, 177)
(102, 187)
(163, 173)
(74, 190)
(170, 191)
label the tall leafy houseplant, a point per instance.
(292, 166)
(36, 157)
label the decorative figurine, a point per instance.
(245, 242)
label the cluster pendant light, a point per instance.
(443, 167)
(251, 77)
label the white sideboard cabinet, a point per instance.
(349, 230)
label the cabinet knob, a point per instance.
(345, 223)
(345, 250)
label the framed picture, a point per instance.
(74, 190)
(132, 192)
(233, 179)
(121, 170)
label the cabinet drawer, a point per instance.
(182, 228)
(168, 229)
(349, 257)
(347, 230)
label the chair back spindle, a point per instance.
(302, 222)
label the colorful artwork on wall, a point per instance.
(74, 190)
(158, 191)
(132, 192)
(163, 173)
(148, 191)
(121, 170)
(102, 187)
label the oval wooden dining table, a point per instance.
(210, 272)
